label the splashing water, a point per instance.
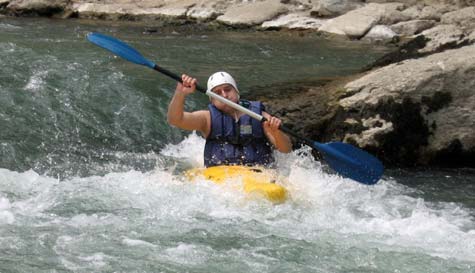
(91, 175)
(157, 220)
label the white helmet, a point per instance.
(219, 78)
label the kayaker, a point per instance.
(232, 137)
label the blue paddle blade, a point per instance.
(351, 162)
(119, 48)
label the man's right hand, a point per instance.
(188, 86)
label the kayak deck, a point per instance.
(255, 180)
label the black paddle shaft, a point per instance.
(175, 77)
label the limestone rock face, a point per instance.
(417, 111)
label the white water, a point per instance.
(158, 221)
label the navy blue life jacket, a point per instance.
(241, 142)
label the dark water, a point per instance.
(90, 171)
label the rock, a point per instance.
(354, 25)
(423, 12)
(376, 127)
(413, 12)
(409, 28)
(293, 21)
(406, 50)
(330, 8)
(391, 13)
(93, 9)
(176, 8)
(432, 12)
(380, 32)
(357, 22)
(296, 6)
(442, 37)
(151, 10)
(40, 7)
(202, 14)
(253, 13)
(417, 110)
(464, 18)
(204, 11)
(471, 37)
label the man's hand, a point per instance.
(188, 86)
(273, 124)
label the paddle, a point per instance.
(343, 158)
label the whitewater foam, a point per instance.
(387, 216)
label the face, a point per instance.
(227, 91)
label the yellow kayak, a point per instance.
(254, 180)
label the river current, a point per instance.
(91, 174)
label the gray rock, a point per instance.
(464, 18)
(177, 8)
(205, 11)
(294, 21)
(423, 12)
(432, 12)
(471, 37)
(330, 8)
(380, 32)
(409, 28)
(357, 22)
(436, 91)
(442, 36)
(252, 13)
(94, 9)
(413, 12)
(42, 7)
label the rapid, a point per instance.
(91, 175)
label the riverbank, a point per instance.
(412, 107)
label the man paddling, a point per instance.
(232, 137)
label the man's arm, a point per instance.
(178, 117)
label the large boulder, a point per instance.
(422, 12)
(176, 8)
(206, 10)
(442, 37)
(331, 8)
(380, 32)
(357, 22)
(415, 112)
(39, 7)
(250, 14)
(412, 27)
(465, 18)
(293, 21)
(111, 11)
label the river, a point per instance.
(91, 174)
